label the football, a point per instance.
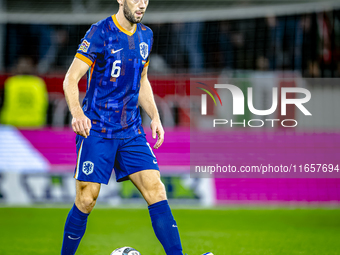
(125, 251)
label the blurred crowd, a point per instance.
(309, 43)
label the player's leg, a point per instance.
(133, 159)
(86, 195)
(148, 182)
(75, 226)
(95, 161)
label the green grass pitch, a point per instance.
(221, 231)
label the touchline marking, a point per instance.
(115, 51)
(73, 238)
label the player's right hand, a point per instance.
(81, 124)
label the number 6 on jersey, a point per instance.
(116, 69)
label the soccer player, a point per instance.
(115, 54)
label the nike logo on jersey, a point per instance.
(73, 238)
(174, 226)
(155, 161)
(115, 51)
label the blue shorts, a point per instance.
(98, 156)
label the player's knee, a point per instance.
(86, 197)
(156, 193)
(86, 203)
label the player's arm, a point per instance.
(147, 101)
(81, 125)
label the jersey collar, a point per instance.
(121, 28)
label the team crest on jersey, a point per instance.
(88, 167)
(144, 50)
(84, 46)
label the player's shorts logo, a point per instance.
(88, 167)
(84, 46)
(144, 50)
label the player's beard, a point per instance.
(129, 15)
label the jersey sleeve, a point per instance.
(151, 44)
(91, 45)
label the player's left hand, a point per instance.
(157, 131)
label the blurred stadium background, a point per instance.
(281, 41)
